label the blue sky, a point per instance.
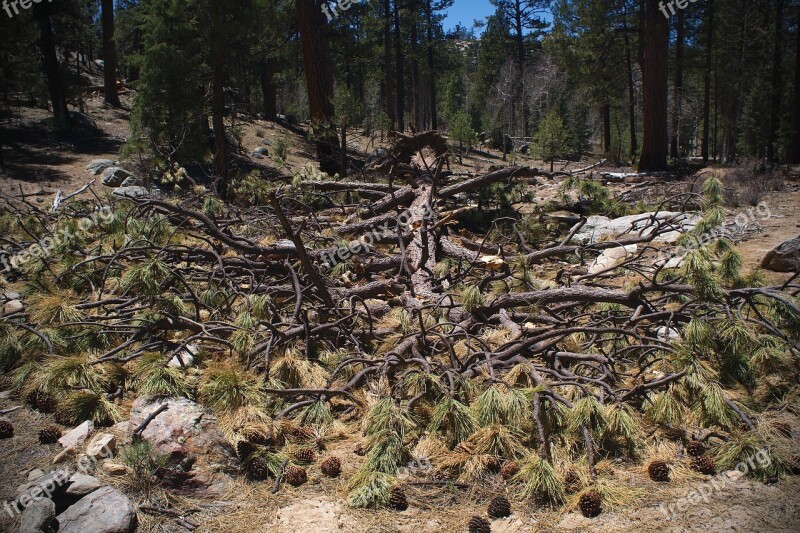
(466, 11)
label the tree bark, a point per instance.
(656, 142)
(705, 151)
(399, 77)
(416, 89)
(431, 77)
(606, 112)
(267, 74)
(677, 87)
(218, 96)
(319, 81)
(387, 63)
(109, 55)
(631, 89)
(794, 150)
(52, 70)
(777, 88)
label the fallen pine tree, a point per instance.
(463, 348)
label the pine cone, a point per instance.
(590, 504)
(303, 433)
(696, 448)
(6, 429)
(479, 525)
(258, 468)
(258, 438)
(42, 402)
(492, 464)
(500, 507)
(509, 470)
(295, 476)
(704, 465)
(572, 482)
(398, 500)
(332, 467)
(306, 455)
(244, 449)
(659, 471)
(50, 435)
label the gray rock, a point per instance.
(105, 510)
(11, 295)
(14, 306)
(256, 155)
(784, 258)
(49, 486)
(597, 228)
(81, 485)
(38, 516)
(77, 436)
(266, 142)
(261, 151)
(132, 181)
(137, 193)
(187, 355)
(35, 474)
(115, 176)
(97, 166)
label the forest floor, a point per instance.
(38, 163)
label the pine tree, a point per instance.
(551, 138)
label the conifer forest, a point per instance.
(399, 266)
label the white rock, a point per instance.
(102, 446)
(613, 257)
(598, 227)
(14, 306)
(77, 436)
(35, 474)
(105, 510)
(187, 355)
(81, 485)
(668, 334)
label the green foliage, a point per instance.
(371, 490)
(538, 479)
(551, 138)
(79, 406)
(152, 379)
(460, 129)
(225, 387)
(453, 418)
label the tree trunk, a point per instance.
(431, 70)
(267, 74)
(109, 55)
(520, 43)
(794, 149)
(631, 89)
(399, 77)
(52, 70)
(387, 63)
(416, 90)
(319, 81)
(655, 143)
(705, 152)
(218, 96)
(777, 85)
(606, 112)
(677, 88)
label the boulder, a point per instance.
(612, 257)
(187, 355)
(187, 435)
(599, 228)
(262, 151)
(784, 258)
(115, 176)
(102, 446)
(81, 485)
(77, 436)
(131, 181)
(136, 192)
(14, 306)
(49, 486)
(38, 516)
(96, 166)
(105, 510)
